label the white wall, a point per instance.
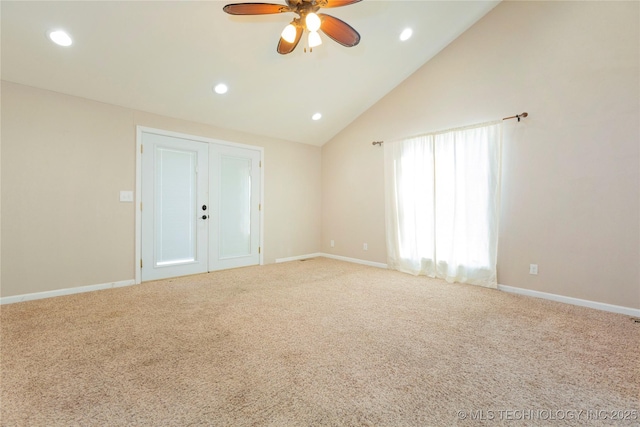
(64, 161)
(571, 171)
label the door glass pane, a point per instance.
(175, 218)
(235, 207)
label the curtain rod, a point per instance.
(517, 116)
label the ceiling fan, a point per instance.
(308, 19)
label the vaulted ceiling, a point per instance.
(165, 58)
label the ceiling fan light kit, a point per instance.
(308, 20)
(314, 39)
(313, 22)
(289, 33)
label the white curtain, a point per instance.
(442, 195)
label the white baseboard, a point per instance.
(298, 258)
(338, 257)
(355, 260)
(634, 312)
(67, 291)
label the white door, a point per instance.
(234, 183)
(175, 223)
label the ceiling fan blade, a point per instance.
(255, 8)
(339, 30)
(339, 3)
(284, 47)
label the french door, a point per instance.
(200, 206)
(235, 195)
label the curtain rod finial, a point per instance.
(517, 116)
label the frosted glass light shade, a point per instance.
(314, 39)
(289, 33)
(313, 22)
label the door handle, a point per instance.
(204, 207)
(205, 216)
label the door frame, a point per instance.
(138, 194)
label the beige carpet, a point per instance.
(314, 343)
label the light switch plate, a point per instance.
(126, 196)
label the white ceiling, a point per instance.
(165, 57)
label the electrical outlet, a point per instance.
(365, 247)
(533, 269)
(333, 243)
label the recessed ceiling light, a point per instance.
(221, 88)
(60, 38)
(316, 116)
(406, 34)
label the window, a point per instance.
(442, 204)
